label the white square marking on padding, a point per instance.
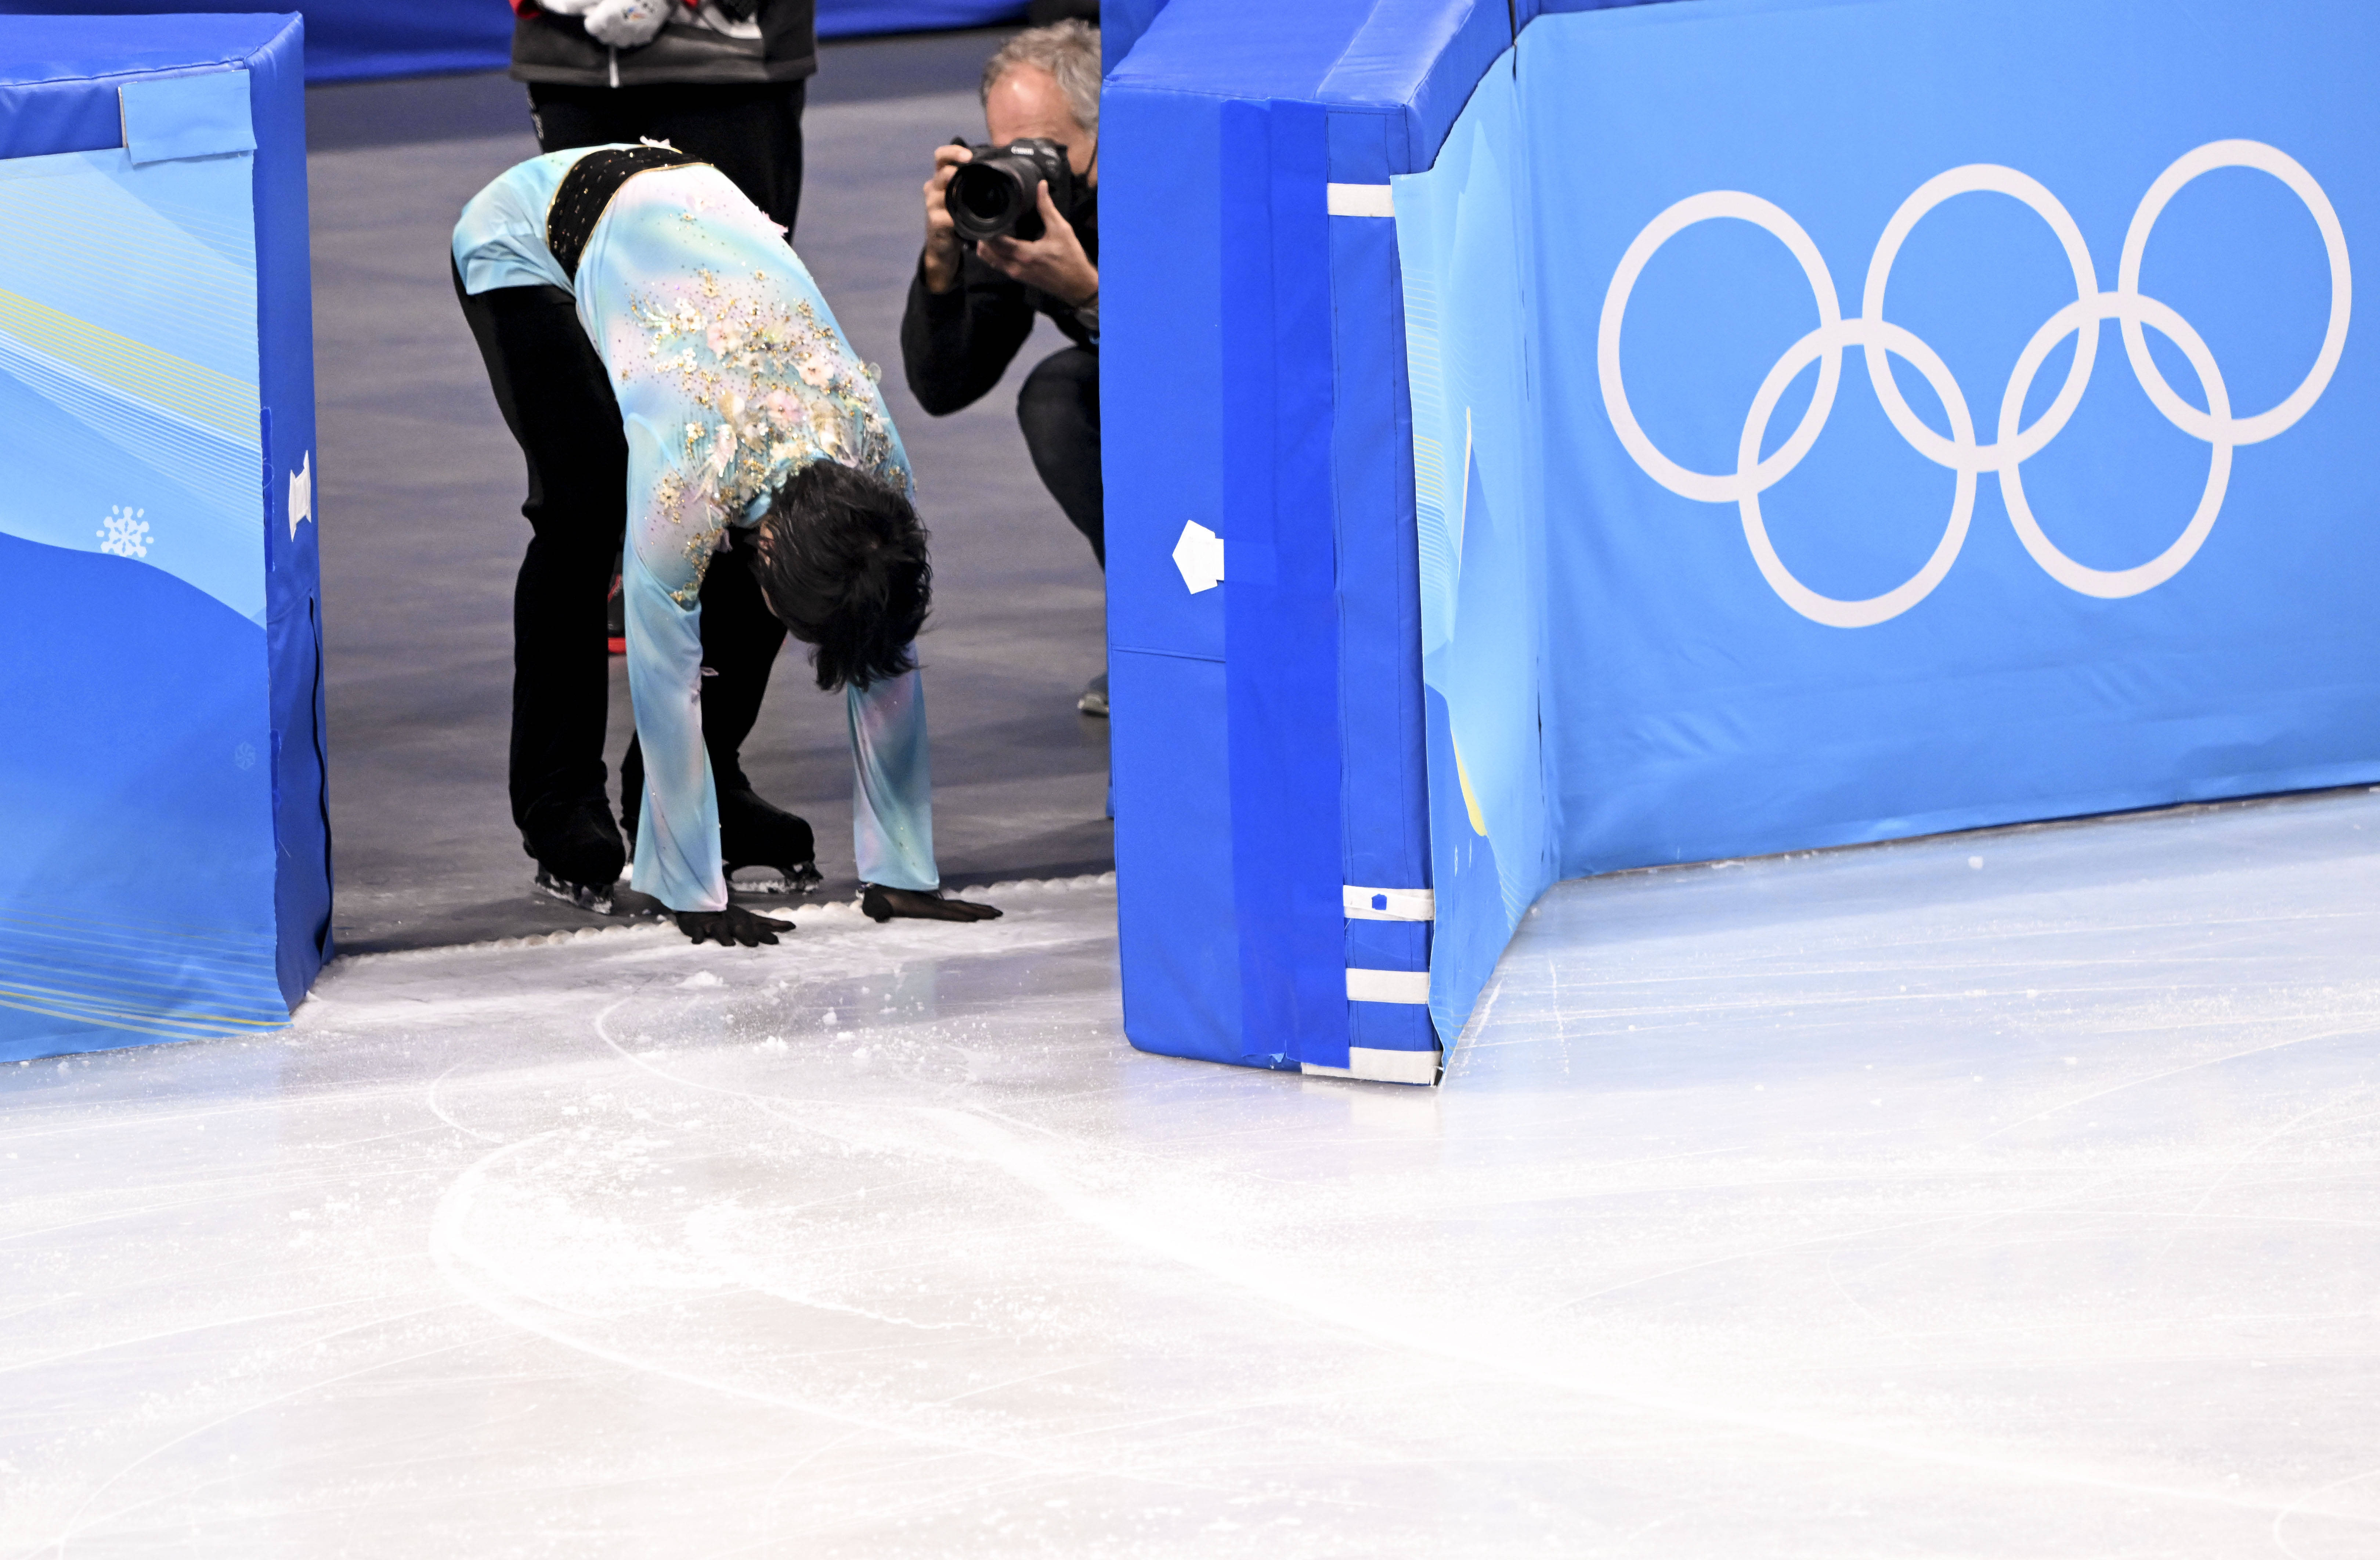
(1380, 1066)
(1388, 904)
(1362, 199)
(1388, 985)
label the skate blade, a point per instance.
(774, 882)
(616, 900)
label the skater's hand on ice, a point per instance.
(728, 927)
(910, 904)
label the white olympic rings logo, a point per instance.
(2014, 444)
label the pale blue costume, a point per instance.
(731, 376)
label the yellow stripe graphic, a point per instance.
(1463, 778)
(142, 371)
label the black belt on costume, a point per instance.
(587, 189)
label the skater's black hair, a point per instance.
(843, 562)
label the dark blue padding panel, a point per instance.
(302, 818)
(1254, 385)
(345, 40)
(169, 874)
(1121, 24)
(1279, 603)
(1384, 837)
(368, 40)
(1173, 857)
(846, 19)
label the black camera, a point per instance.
(996, 195)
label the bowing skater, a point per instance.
(669, 369)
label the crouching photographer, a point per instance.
(1012, 232)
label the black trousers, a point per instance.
(752, 133)
(558, 400)
(1059, 409)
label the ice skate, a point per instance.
(581, 861)
(754, 832)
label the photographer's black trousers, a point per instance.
(1059, 409)
(558, 400)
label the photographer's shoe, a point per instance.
(1094, 700)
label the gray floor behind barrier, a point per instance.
(421, 488)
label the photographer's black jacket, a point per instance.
(955, 346)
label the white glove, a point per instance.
(627, 24)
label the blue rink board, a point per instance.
(169, 871)
(1635, 690)
(1617, 680)
(1255, 383)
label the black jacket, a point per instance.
(557, 49)
(955, 346)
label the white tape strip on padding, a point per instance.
(1381, 1067)
(1362, 199)
(1388, 985)
(1388, 904)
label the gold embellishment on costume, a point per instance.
(699, 550)
(784, 388)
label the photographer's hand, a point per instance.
(1054, 263)
(944, 251)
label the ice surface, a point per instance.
(1872, 1203)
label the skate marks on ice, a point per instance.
(985, 1174)
(2068, 1133)
(881, 1243)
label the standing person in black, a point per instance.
(723, 82)
(970, 310)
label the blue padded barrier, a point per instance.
(1544, 662)
(1255, 388)
(169, 873)
(1644, 645)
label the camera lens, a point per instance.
(994, 197)
(983, 200)
(988, 196)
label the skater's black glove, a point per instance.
(728, 927)
(911, 904)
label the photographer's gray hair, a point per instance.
(1068, 51)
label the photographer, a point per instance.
(972, 306)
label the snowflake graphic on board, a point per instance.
(124, 533)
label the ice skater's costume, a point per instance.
(731, 374)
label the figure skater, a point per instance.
(668, 366)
